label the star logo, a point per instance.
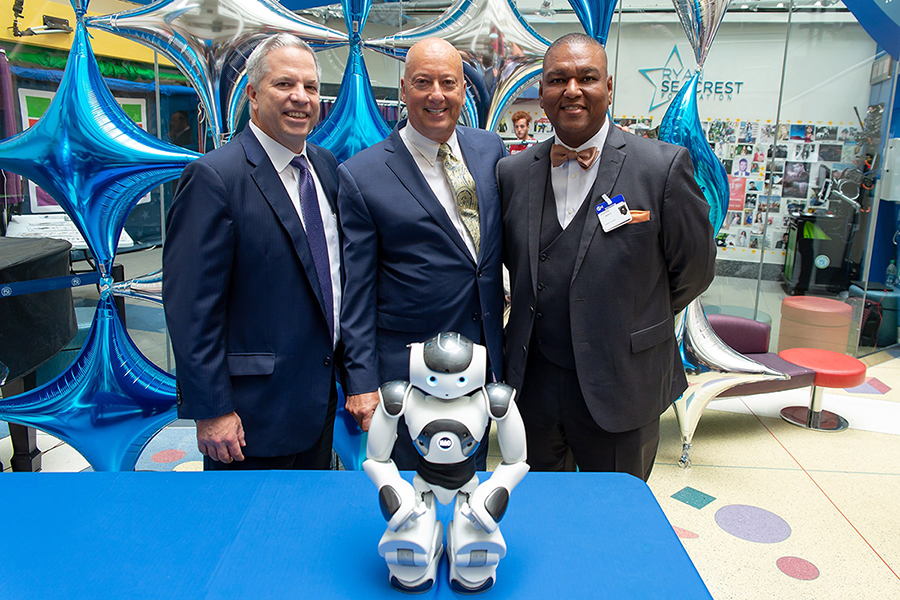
(673, 70)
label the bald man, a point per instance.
(421, 254)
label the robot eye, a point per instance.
(461, 381)
(432, 380)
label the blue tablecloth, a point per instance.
(314, 535)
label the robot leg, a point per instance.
(412, 552)
(473, 553)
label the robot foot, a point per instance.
(475, 578)
(424, 583)
(457, 586)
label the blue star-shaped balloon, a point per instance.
(210, 41)
(501, 53)
(354, 121)
(107, 404)
(595, 16)
(90, 156)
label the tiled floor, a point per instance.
(767, 510)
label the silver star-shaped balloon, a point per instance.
(501, 53)
(712, 367)
(146, 287)
(210, 41)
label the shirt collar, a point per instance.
(427, 147)
(598, 140)
(280, 156)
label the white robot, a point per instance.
(447, 408)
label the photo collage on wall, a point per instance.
(772, 174)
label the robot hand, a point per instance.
(399, 502)
(487, 504)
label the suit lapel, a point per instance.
(325, 174)
(401, 162)
(537, 187)
(272, 189)
(611, 160)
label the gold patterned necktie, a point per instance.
(463, 187)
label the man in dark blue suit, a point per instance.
(251, 270)
(420, 216)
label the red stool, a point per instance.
(833, 370)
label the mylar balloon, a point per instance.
(354, 121)
(681, 126)
(107, 404)
(701, 20)
(711, 367)
(210, 41)
(595, 16)
(90, 156)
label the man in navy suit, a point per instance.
(420, 216)
(252, 280)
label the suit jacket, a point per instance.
(627, 284)
(408, 273)
(242, 299)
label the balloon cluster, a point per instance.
(96, 163)
(712, 367)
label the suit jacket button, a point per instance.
(327, 361)
(531, 309)
(544, 256)
(541, 286)
(539, 316)
(524, 349)
(475, 316)
(480, 273)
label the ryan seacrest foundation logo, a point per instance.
(668, 80)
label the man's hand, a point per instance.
(362, 407)
(221, 438)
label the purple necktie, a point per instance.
(315, 234)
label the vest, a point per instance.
(556, 263)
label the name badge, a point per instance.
(613, 213)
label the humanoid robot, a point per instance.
(447, 407)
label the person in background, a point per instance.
(180, 130)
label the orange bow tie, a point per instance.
(560, 154)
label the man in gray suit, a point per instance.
(590, 342)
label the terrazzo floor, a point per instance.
(768, 510)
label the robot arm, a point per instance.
(487, 504)
(396, 496)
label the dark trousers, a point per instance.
(317, 458)
(562, 435)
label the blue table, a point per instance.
(314, 535)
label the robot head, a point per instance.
(447, 366)
(448, 352)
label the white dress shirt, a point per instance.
(425, 153)
(571, 183)
(281, 158)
